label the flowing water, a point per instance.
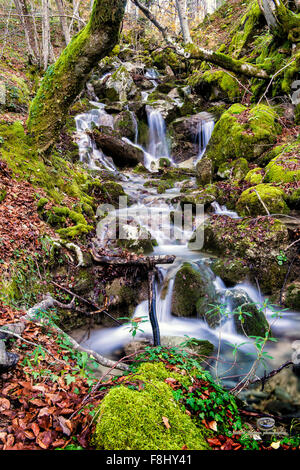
(150, 206)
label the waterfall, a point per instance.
(205, 129)
(158, 145)
(88, 151)
(222, 210)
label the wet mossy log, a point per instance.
(65, 79)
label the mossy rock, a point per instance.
(131, 419)
(125, 123)
(14, 93)
(292, 296)
(215, 85)
(204, 171)
(255, 176)
(253, 324)
(235, 169)
(250, 203)
(243, 132)
(284, 168)
(231, 271)
(293, 199)
(193, 292)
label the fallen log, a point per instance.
(122, 153)
(134, 260)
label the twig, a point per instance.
(274, 76)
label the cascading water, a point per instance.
(88, 151)
(205, 130)
(151, 206)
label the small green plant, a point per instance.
(281, 258)
(134, 324)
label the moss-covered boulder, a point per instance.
(255, 176)
(120, 86)
(255, 200)
(235, 169)
(193, 292)
(215, 85)
(284, 168)
(249, 318)
(256, 241)
(292, 296)
(132, 419)
(14, 93)
(293, 199)
(243, 132)
(125, 124)
(231, 271)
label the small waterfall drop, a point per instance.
(158, 145)
(88, 151)
(222, 210)
(205, 130)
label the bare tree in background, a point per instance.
(29, 30)
(63, 20)
(181, 6)
(45, 33)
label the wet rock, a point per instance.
(204, 171)
(256, 241)
(122, 153)
(253, 322)
(125, 124)
(292, 295)
(231, 271)
(193, 292)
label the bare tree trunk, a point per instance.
(22, 10)
(45, 33)
(65, 79)
(282, 21)
(63, 21)
(182, 13)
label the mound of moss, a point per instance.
(254, 200)
(133, 419)
(285, 168)
(243, 132)
(216, 85)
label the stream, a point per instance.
(147, 206)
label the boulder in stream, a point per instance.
(122, 153)
(194, 292)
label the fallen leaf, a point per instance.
(4, 404)
(166, 422)
(275, 445)
(213, 425)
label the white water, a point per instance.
(88, 151)
(222, 210)
(108, 340)
(205, 130)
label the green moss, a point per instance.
(193, 292)
(245, 30)
(253, 324)
(231, 271)
(247, 136)
(133, 420)
(285, 167)
(255, 176)
(273, 198)
(75, 231)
